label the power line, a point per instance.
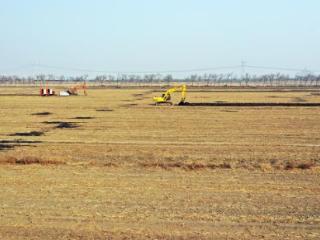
(18, 68)
(135, 72)
(279, 68)
(241, 67)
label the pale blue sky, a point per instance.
(157, 35)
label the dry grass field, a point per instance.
(112, 166)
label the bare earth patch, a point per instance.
(28, 160)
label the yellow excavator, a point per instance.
(166, 97)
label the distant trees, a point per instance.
(308, 80)
(168, 79)
(149, 78)
(208, 79)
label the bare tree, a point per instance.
(247, 78)
(168, 78)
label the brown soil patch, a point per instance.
(28, 160)
(186, 166)
(302, 166)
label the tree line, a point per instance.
(228, 79)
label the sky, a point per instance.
(101, 36)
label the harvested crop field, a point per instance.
(111, 165)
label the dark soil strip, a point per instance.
(60, 124)
(41, 114)
(67, 125)
(229, 111)
(10, 144)
(52, 122)
(25, 134)
(104, 110)
(5, 146)
(128, 105)
(250, 104)
(18, 142)
(84, 118)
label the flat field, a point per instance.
(111, 165)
